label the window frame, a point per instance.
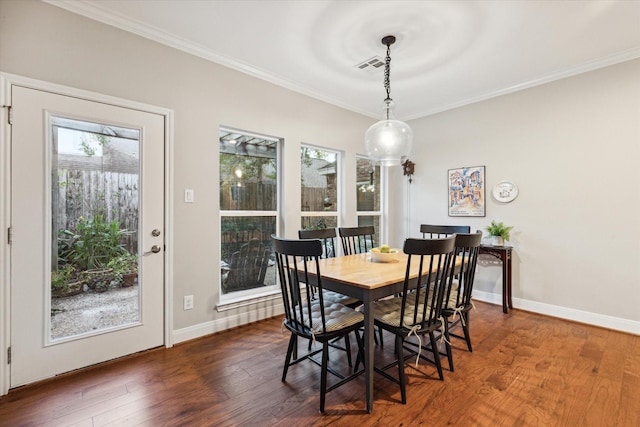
(245, 297)
(337, 213)
(382, 202)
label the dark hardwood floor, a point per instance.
(525, 370)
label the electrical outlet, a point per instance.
(188, 302)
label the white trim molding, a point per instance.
(595, 319)
(260, 312)
(5, 223)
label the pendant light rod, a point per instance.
(388, 41)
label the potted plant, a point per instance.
(499, 232)
(65, 282)
(125, 269)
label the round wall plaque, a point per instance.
(505, 191)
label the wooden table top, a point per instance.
(360, 271)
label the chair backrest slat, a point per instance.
(431, 231)
(327, 238)
(356, 240)
(434, 258)
(297, 262)
(467, 248)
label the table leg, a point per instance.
(505, 284)
(509, 282)
(369, 330)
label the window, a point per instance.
(320, 185)
(249, 184)
(368, 207)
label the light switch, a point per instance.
(189, 195)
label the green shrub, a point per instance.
(123, 264)
(93, 244)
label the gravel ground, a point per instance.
(93, 311)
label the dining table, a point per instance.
(360, 277)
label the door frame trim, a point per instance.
(6, 82)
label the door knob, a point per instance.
(154, 249)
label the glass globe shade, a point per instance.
(389, 140)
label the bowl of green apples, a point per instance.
(384, 253)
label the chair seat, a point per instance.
(411, 298)
(331, 297)
(387, 311)
(337, 317)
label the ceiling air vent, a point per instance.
(372, 64)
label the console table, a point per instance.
(503, 253)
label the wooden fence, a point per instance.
(254, 196)
(86, 193)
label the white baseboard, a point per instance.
(261, 313)
(228, 322)
(602, 320)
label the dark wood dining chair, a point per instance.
(327, 237)
(356, 240)
(308, 317)
(418, 310)
(430, 231)
(458, 304)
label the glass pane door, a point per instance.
(94, 254)
(87, 209)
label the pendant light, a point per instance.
(388, 141)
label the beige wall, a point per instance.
(573, 148)
(44, 42)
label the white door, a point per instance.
(87, 188)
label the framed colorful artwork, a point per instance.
(466, 191)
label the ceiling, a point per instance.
(447, 54)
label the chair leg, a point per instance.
(465, 329)
(347, 346)
(401, 376)
(436, 354)
(447, 339)
(323, 374)
(360, 356)
(381, 341)
(287, 361)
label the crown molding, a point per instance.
(606, 61)
(126, 23)
(96, 12)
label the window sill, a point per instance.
(233, 303)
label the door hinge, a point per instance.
(9, 113)
(8, 355)
(9, 236)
